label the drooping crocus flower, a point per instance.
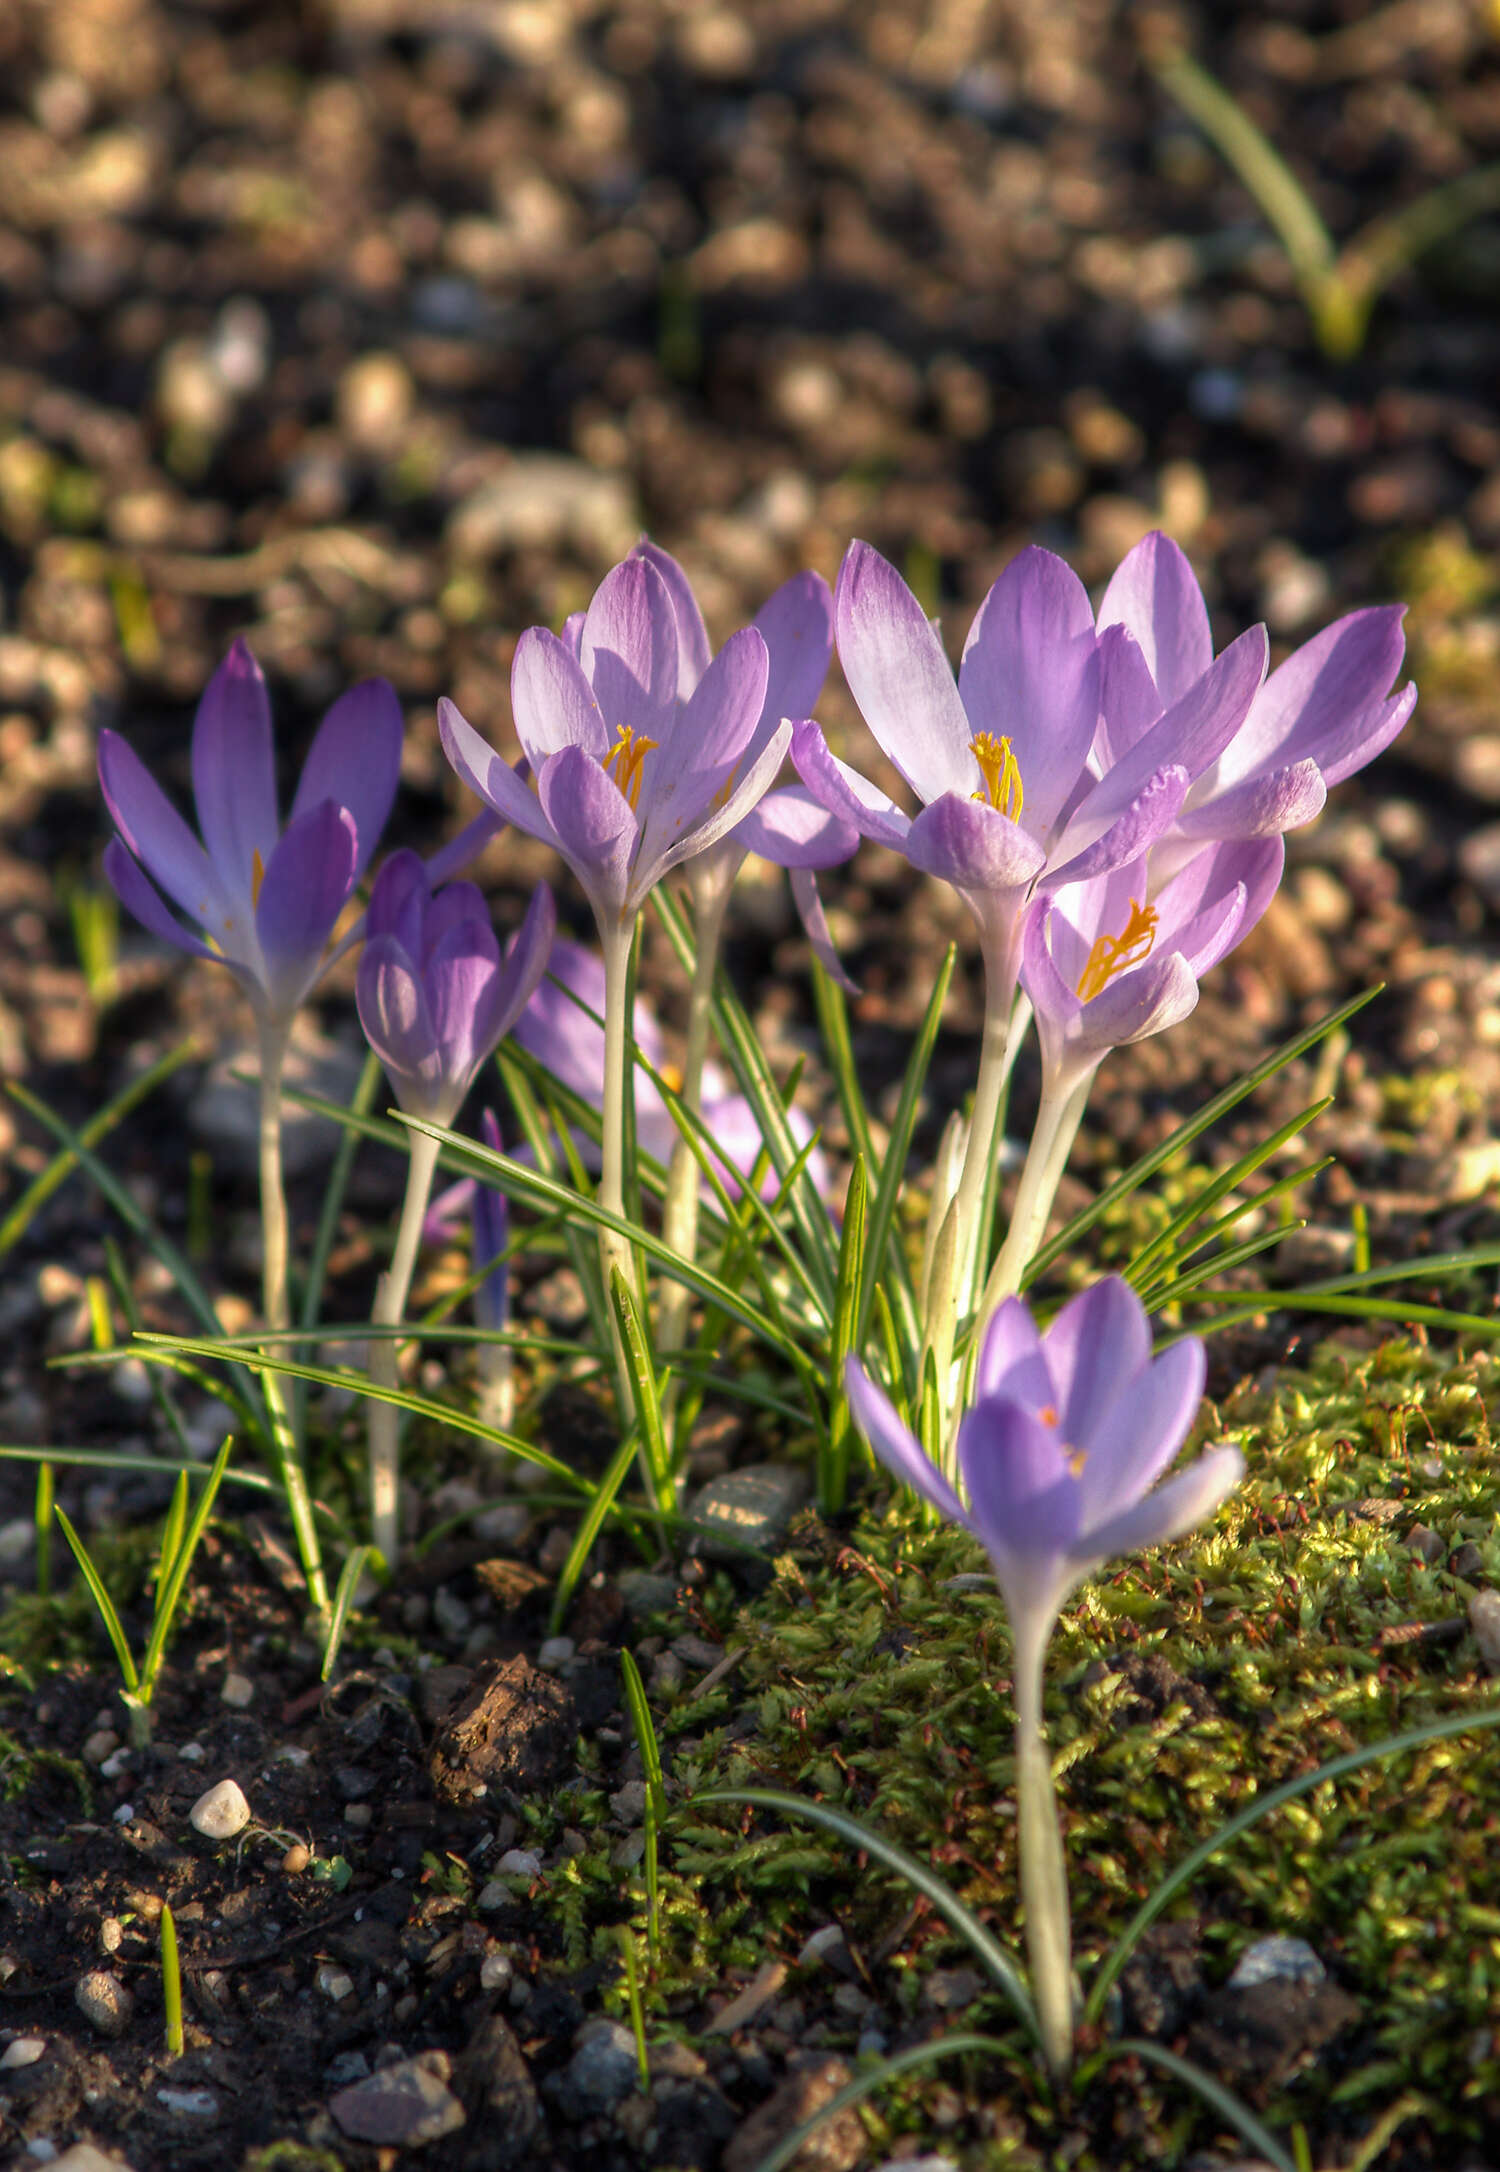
(1059, 1454)
(1320, 716)
(434, 996)
(260, 899)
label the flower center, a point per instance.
(1001, 773)
(627, 755)
(1112, 954)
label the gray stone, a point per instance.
(602, 2070)
(225, 1109)
(1277, 1960)
(83, 2157)
(104, 2002)
(22, 2051)
(404, 2106)
(221, 1812)
(751, 1508)
(628, 1803)
(189, 2103)
(1484, 1620)
(643, 1590)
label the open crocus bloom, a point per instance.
(1320, 716)
(1002, 760)
(1067, 1434)
(559, 1030)
(1103, 966)
(434, 993)
(631, 780)
(265, 899)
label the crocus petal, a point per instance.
(1179, 1506)
(1340, 755)
(1095, 1348)
(1191, 735)
(796, 624)
(398, 1025)
(1023, 1501)
(452, 907)
(1326, 699)
(1129, 703)
(844, 792)
(900, 677)
(697, 766)
(234, 771)
(796, 830)
(552, 702)
(972, 845)
(526, 959)
(629, 650)
(1137, 1424)
(1030, 671)
(398, 901)
(355, 759)
(593, 824)
(1265, 805)
(1141, 822)
(461, 978)
(1158, 994)
(481, 769)
(815, 927)
(140, 897)
(721, 819)
(693, 651)
(897, 1448)
(1012, 1360)
(307, 883)
(160, 839)
(464, 849)
(1155, 594)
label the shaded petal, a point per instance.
(1031, 671)
(1158, 994)
(896, 1446)
(1051, 994)
(1129, 703)
(355, 759)
(844, 792)
(160, 839)
(1023, 1499)
(1154, 593)
(398, 1025)
(140, 897)
(398, 901)
(592, 823)
(796, 624)
(693, 650)
(461, 978)
(551, 701)
(1342, 754)
(475, 761)
(1177, 1507)
(1012, 1360)
(526, 959)
(794, 829)
(1328, 699)
(307, 884)
(1146, 818)
(234, 770)
(629, 650)
(900, 677)
(1097, 1345)
(462, 851)
(1265, 805)
(457, 903)
(972, 845)
(1134, 1435)
(681, 780)
(815, 927)
(719, 821)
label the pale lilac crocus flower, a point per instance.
(434, 996)
(1103, 967)
(1058, 1454)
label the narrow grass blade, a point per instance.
(633, 2003)
(114, 1627)
(885, 1263)
(985, 1947)
(1289, 1791)
(171, 1983)
(876, 2077)
(656, 1457)
(1337, 1306)
(838, 1047)
(1201, 1240)
(169, 1593)
(42, 1522)
(333, 1197)
(645, 1732)
(172, 1532)
(833, 1460)
(106, 1459)
(130, 1313)
(1224, 2101)
(1167, 1243)
(1184, 1285)
(590, 1525)
(356, 1561)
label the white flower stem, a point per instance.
(679, 1224)
(1044, 1876)
(614, 1249)
(276, 1305)
(1057, 1124)
(389, 1307)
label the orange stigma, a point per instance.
(1001, 773)
(257, 875)
(628, 754)
(1114, 954)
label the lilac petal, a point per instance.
(1138, 826)
(793, 829)
(398, 1024)
(526, 958)
(1261, 806)
(1030, 671)
(1136, 1431)
(897, 1448)
(1154, 593)
(1147, 1000)
(355, 759)
(844, 792)
(796, 624)
(464, 849)
(449, 1207)
(1050, 992)
(900, 677)
(1129, 703)
(1096, 1347)
(462, 978)
(1328, 697)
(593, 824)
(454, 905)
(398, 901)
(693, 651)
(629, 650)
(306, 886)
(1012, 1359)
(815, 927)
(1023, 1499)
(551, 701)
(721, 819)
(1179, 1506)
(1367, 737)
(160, 839)
(697, 765)
(494, 781)
(972, 845)
(234, 771)
(572, 632)
(140, 897)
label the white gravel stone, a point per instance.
(83, 2157)
(22, 2051)
(1277, 1960)
(221, 1813)
(1484, 1620)
(124, 1813)
(519, 1863)
(189, 2103)
(495, 1972)
(102, 1743)
(555, 1652)
(238, 1692)
(192, 1753)
(335, 1983)
(104, 2002)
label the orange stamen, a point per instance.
(257, 875)
(1113, 954)
(628, 754)
(1001, 773)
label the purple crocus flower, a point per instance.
(434, 994)
(630, 779)
(1320, 716)
(265, 899)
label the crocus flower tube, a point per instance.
(435, 996)
(1059, 1454)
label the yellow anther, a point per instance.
(1112, 954)
(1048, 1414)
(257, 876)
(671, 1075)
(1001, 773)
(1077, 1458)
(628, 754)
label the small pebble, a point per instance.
(82, 2157)
(1468, 1562)
(238, 1692)
(401, 2107)
(450, 1613)
(629, 1802)
(104, 2002)
(495, 1893)
(189, 2103)
(192, 1753)
(335, 1983)
(359, 1816)
(23, 2051)
(221, 1813)
(555, 1653)
(102, 1743)
(124, 1813)
(1484, 1620)
(296, 1860)
(602, 2069)
(1425, 1542)
(111, 1935)
(115, 1764)
(519, 1863)
(496, 1971)
(1277, 1960)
